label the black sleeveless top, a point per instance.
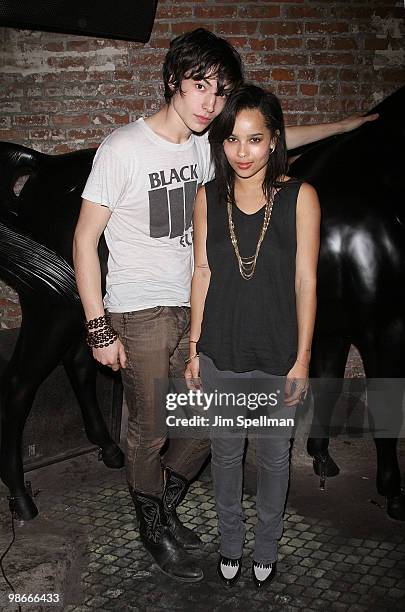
(251, 325)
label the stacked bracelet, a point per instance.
(97, 322)
(101, 338)
(99, 332)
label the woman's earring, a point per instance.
(272, 150)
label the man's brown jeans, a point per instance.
(156, 346)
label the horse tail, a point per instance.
(33, 269)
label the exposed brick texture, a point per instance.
(61, 92)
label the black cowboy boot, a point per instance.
(175, 489)
(169, 555)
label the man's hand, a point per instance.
(355, 121)
(112, 356)
(301, 135)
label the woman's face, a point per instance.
(249, 146)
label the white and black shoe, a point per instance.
(229, 570)
(263, 573)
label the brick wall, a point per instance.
(324, 58)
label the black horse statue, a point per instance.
(36, 235)
(361, 284)
(360, 180)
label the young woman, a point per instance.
(253, 303)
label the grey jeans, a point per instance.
(273, 463)
(156, 346)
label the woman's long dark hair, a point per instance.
(248, 96)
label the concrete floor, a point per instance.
(339, 550)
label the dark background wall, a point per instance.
(324, 58)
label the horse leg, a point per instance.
(383, 358)
(16, 401)
(82, 372)
(43, 338)
(328, 361)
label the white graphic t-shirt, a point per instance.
(149, 184)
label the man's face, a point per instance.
(197, 103)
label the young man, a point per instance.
(141, 193)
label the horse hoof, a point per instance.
(395, 507)
(324, 466)
(112, 456)
(22, 507)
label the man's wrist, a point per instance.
(95, 313)
(99, 332)
(342, 127)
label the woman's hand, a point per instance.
(297, 384)
(192, 374)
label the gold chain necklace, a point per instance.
(247, 265)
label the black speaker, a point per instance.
(123, 19)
